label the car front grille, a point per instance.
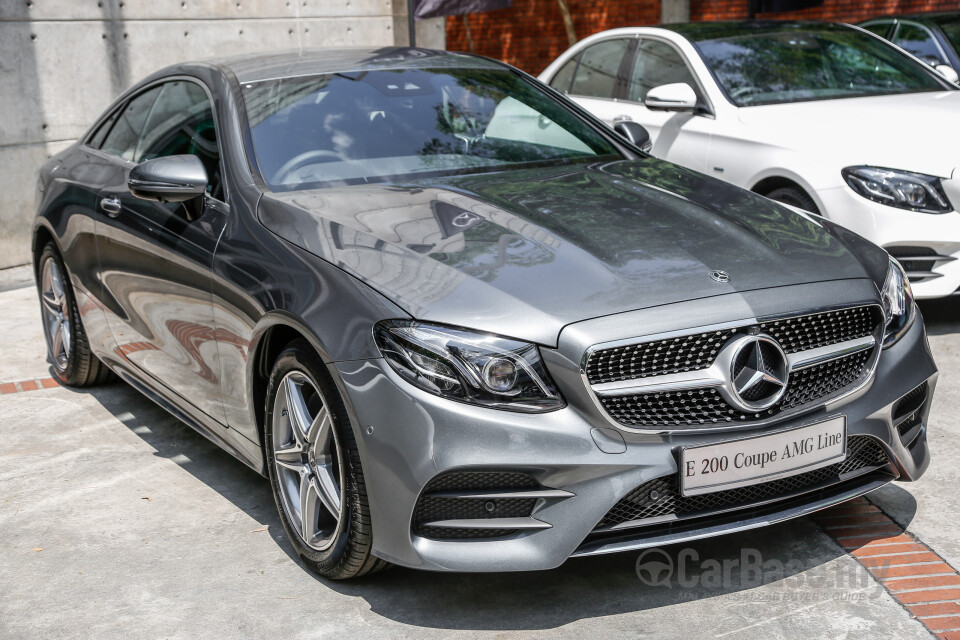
(661, 497)
(705, 406)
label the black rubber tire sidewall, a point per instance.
(83, 368)
(795, 197)
(336, 561)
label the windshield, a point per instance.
(800, 65)
(371, 126)
(951, 29)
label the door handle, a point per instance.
(111, 206)
(622, 118)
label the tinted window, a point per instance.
(123, 137)
(561, 81)
(657, 64)
(794, 65)
(377, 125)
(96, 140)
(181, 122)
(951, 29)
(919, 42)
(599, 63)
(879, 28)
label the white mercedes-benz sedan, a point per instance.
(826, 117)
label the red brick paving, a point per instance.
(911, 572)
(28, 385)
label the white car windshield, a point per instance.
(373, 126)
(810, 62)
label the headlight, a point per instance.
(901, 189)
(470, 367)
(898, 307)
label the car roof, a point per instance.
(255, 67)
(938, 17)
(700, 31)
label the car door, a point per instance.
(595, 78)
(681, 137)
(156, 258)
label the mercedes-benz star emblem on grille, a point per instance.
(720, 276)
(758, 373)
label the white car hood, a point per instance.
(913, 132)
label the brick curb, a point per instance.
(28, 385)
(911, 572)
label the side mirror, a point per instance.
(168, 179)
(634, 132)
(948, 72)
(678, 96)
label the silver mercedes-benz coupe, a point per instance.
(461, 324)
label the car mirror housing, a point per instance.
(634, 132)
(948, 72)
(169, 179)
(678, 96)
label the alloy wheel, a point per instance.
(56, 314)
(308, 461)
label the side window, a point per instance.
(96, 140)
(561, 81)
(122, 139)
(919, 42)
(657, 64)
(597, 74)
(881, 29)
(181, 122)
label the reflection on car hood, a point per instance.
(913, 132)
(526, 251)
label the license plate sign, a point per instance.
(737, 463)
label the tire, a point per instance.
(315, 470)
(68, 349)
(796, 197)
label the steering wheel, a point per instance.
(304, 159)
(742, 92)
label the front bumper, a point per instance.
(891, 228)
(407, 438)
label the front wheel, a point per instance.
(796, 197)
(314, 467)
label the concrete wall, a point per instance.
(63, 61)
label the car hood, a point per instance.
(524, 252)
(913, 132)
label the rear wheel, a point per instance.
(67, 347)
(315, 468)
(796, 197)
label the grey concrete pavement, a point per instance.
(118, 521)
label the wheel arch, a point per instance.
(765, 184)
(272, 334)
(42, 235)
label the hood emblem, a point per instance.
(758, 373)
(720, 276)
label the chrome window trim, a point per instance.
(832, 401)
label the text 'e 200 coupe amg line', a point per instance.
(463, 325)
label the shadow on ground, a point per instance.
(942, 316)
(784, 560)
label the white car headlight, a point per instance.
(898, 307)
(478, 368)
(900, 189)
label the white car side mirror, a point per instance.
(948, 72)
(671, 97)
